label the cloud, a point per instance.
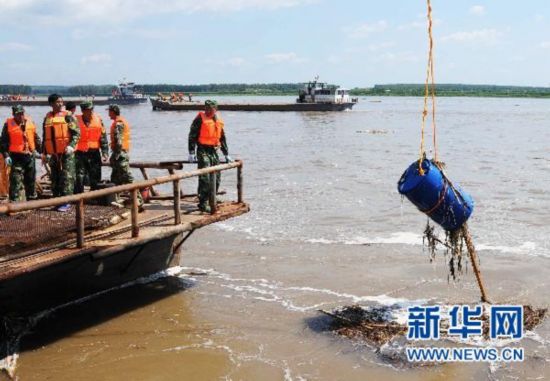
(413, 25)
(422, 22)
(478, 10)
(6, 5)
(275, 58)
(481, 35)
(97, 58)
(365, 30)
(390, 57)
(545, 44)
(70, 12)
(380, 46)
(145, 33)
(235, 61)
(14, 46)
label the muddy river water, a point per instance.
(327, 228)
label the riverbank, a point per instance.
(285, 89)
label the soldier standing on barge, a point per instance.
(207, 134)
(60, 135)
(18, 143)
(120, 149)
(91, 148)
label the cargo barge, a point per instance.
(315, 96)
(83, 259)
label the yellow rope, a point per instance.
(430, 82)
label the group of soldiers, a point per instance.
(72, 149)
(74, 146)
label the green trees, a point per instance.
(15, 89)
(455, 90)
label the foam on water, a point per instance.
(240, 358)
(395, 238)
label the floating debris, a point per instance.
(373, 132)
(532, 317)
(374, 324)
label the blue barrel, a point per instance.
(433, 194)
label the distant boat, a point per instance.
(126, 94)
(315, 96)
(43, 100)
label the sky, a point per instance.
(351, 43)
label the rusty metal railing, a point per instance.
(175, 178)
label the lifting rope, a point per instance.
(462, 233)
(428, 85)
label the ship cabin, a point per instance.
(320, 92)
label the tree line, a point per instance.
(455, 90)
(284, 89)
(218, 88)
(226, 88)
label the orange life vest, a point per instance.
(211, 131)
(56, 133)
(21, 142)
(90, 135)
(125, 134)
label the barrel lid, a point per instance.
(411, 178)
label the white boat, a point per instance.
(126, 93)
(323, 93)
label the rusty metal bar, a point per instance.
(152, 164)
(29, 205)
(212, 197)
(135, 226)
(80, 224)
(146, 177)
(169, 196)
(156, 165)
(171, 171)
(474, 260)
(240, 182)
(177, 203)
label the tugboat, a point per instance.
(315, 96)
(126, 94)
(321, 93)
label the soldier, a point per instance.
(18, 143)
(207, 134)
(92, 147)
(60, 135)
(120, 149)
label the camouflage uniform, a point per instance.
(120, 163)
(207, 156)
(23, 169)
(62, 166)
(88, 164)
(120, 159)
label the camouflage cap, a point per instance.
(17, 109)
(114, 108)
(86, 105)
(211, 103)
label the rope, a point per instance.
(429, 83)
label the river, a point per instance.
(327, 228)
